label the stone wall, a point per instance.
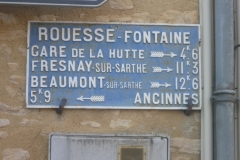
(24, 132)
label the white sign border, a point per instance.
(53, 4)
(118, 107)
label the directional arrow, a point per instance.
(159, 69)
(161, 54)
(93, 98)
(157, 85)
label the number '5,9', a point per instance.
(33, 95)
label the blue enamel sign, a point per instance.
(121, 66)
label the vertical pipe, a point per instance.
(236, 38)
(206, 21)
(224, 81)
(238, 70)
